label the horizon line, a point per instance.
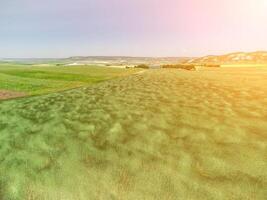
(128, 56)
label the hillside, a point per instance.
(161, 134)
(123, 60)
(259, 57)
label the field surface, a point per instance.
(161, 134)
(24, 80)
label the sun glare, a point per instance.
(133, 99)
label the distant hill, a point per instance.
(100, 60)
(259, 57)
(128, 58)
(123, 60)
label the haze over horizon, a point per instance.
(34, 28)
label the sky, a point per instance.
(63, 28)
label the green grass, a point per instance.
(34, 80)
(163, 134)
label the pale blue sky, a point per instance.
(62, 28)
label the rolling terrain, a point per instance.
(160, 134)
(23, 80)
(258, 57)
(98, 60)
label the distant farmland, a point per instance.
(36, 80)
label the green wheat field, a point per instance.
(129, 134)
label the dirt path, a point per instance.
(7, 94)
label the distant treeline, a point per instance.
(180, 66)
(189, 66)
(143, 66)
(210, 65)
